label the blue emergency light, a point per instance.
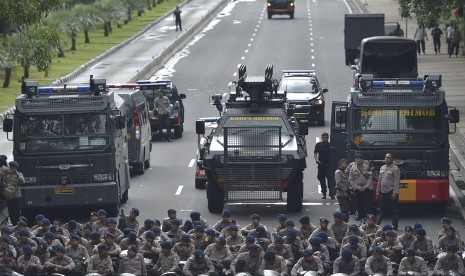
(64, 89)
(398, 83)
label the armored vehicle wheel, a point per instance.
(138, 168)
(215, 196)
(147, 164)
(125, 196)
(295, 193)
(270, 15)
(200, 184)
(178, 129)
(292, 15)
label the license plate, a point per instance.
(403, 185)
(300, 115)
(64, 191)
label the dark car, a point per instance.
(304, 95)
(150, 89)
(280, 7)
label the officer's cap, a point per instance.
(210, 232)
(112, 221)
(150, 234)
(78, 232)
(446, 220)
(148, 222)
(278, 239)
(226, 213)
(260, 229)
(421, 231)
(323, 236)
(22, 223)
(408, 228)
(307, 252)
(75, 237)
(88, 225)
(290, 222)
(6, 239)
(49, 235)
(156, 229)
(379, 250)
(250, 238)
(387, 227)
(270, 255)
(126, 231)
(346, 254)
(14, 164)
(72, 224)
(222, 240)
(199, 228)
(9, 252)
(42, 244)
(324, 220)
(255, 247)
(132, 236)
(109, 235)
(4, 157)
(175, 222)
(60, 248)
(359, 155)
(371, 217)
(452, 247)
(171, 211)
(353, 227)
(132, 248)
(199, 253)
(6, 229)
(101, 212)
(24, 232)
(292, 233)
(185, 238)
(353, 239)
(195, 215)
(417, 225)
(233, 228)
(39, 217)
(27, 250)
(23, 218)
(282, 217)
(451, 228)
(102, 246)
(95, 236)
(338, 214)
(410, 251)
(166, 245)
(315, 241)
(391, 233)
(304, 219)
(135, 211)
(255, 216)
(46, 221)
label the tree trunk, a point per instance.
(149, 5)
(60, 52)
(154, 3)
(86, 35)
(139, 13)
(26, 71)
(106, 29)
(6, 82)
(73, 44)
(110, 29)
(129, 13)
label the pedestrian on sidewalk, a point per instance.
(420, 36)
(436, 35)
(177, 18)
(449, 30)
(322, 155)
(455, 42)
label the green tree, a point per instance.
(8, 50)
(53, 21)
(111, 11)
(87, 17)
(429, 12)
(71, 28)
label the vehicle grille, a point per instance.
(399, 99)
(62, 103)
(71, 179)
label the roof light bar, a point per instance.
(64, 89)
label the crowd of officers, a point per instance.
(195, 248)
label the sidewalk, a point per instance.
(453, 80)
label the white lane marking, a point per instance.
(178, 191)
(250, 44)
(313, 64)
(317, 139)
(313, 57)
(312, 50)
(348, 7)
(96, 65)
(246, 51)
(242, 58)
(191, 163)
(311, 44)
(235, 74)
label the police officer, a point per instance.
(60, 263)
(356, 249)
(219, 253)
(423, 245)
(273, 262)
(162, 109)
(282, 249)
(308, 262)
(234, 241)
(412, 263)
(175, 232)
(100, 223)
(361, 181)
(322, 155)
(130, 221)
(450, 261)
(446, 222)
(166, 225)
(339, 227)
(27, 263)
(132, 263)
(248, 262)
(199, 264)
(407, 237)
(387, 191)
(343, 189)
(378, 263)
(449, 239)
(347, 264)
(323, 228)
(100, 262)
(168, 260)
(12, 182)
(282, 218)
(306, 228)
(184, 248)
(220, 225)
(255, 222)
(77, 252)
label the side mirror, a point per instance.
(182, 96)
(200, 127)
(303, 128)
(7, 125)
(324, 90)
(341, 117)
(353, 67)
(120, 121)
(453, 116)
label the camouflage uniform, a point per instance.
(305, 232)
(359, 251)
(277, 265)
(406, 241)
(285, 251)
(184, 252)
(134, 265)
(424, 248)
(96, 226)
(252, 265)
(339, 230)
(374, 266)
(97, 264)
(115, 232)
(328, 231)
(24, 264)
(303, 265)
(351, 268)
(126, 242)
(444, 241)
(215, 254)
(444, 263)
(133, 224)
(418, 265)
(65, 261)
(167, 263)
(443, 231)
(390, 248)
(195, 266)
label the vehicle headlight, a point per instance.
(268, 4)
(317, 102)
(100, 177)
(30, 179)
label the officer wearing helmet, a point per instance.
(11, 190)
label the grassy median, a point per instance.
(84, 52)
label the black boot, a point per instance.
(395, 218)
(324, 195)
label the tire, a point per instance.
(138, 168)
(295, 193)
(215, 196)
(147, 163)
(178, 129)
(200, 184)
(125, 196)
(347, 59)
(292, 15)
(270, 15)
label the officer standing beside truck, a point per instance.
(322, 155)
(11, 188)
(387, 191)
(162, 110)
(361, 180)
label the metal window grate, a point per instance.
(400, 99)
(62, 102)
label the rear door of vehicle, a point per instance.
(142, 108)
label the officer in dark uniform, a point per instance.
(322, 154)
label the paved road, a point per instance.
(242, 34)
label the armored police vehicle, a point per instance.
(71, 142)
(257, 151)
